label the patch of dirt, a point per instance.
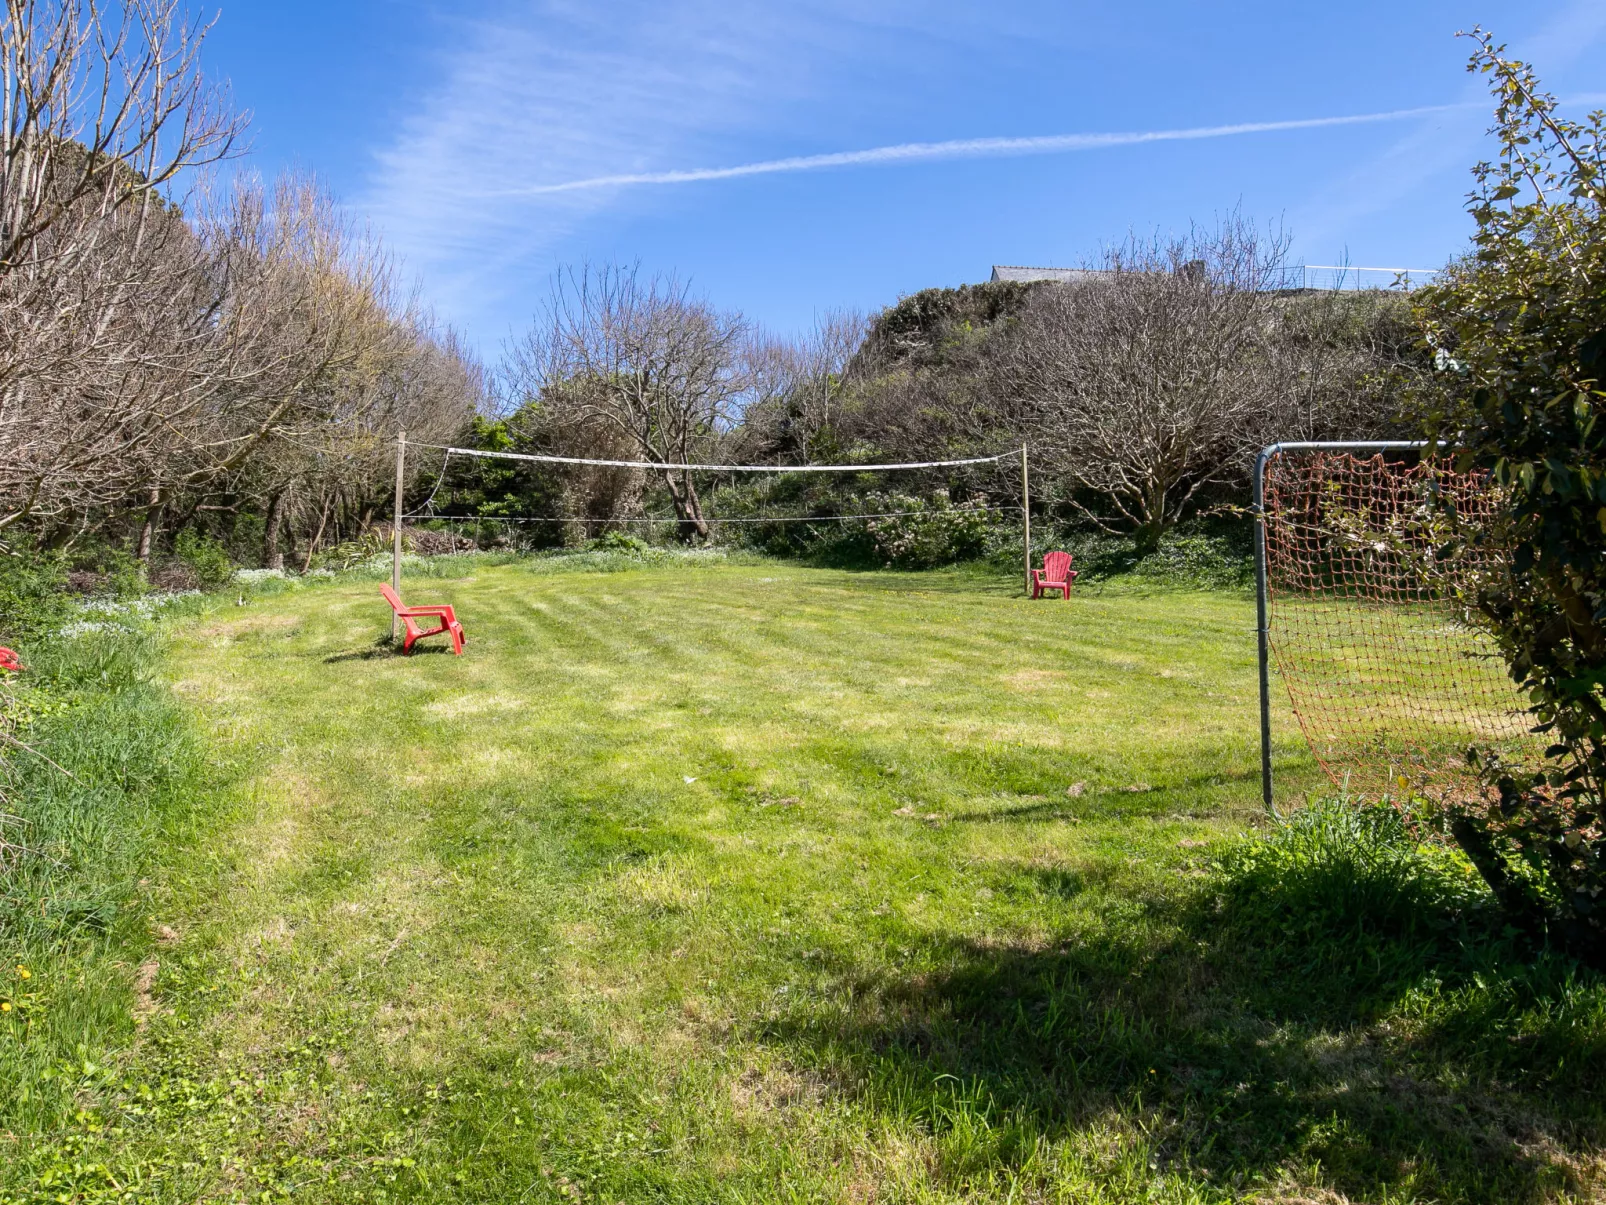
(145, 990)
(775, 1089)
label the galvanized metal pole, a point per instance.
(1026, 516)
(396, 528)
(1262, 630)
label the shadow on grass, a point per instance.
(383, 649)
(1109, 802)
(1406, 1056)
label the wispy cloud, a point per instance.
(540, 116)
(963, 148)
(1435, 155)
(545, 91)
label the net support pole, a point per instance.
(1026, 520)
(1262, 628)
(396, 527)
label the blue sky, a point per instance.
(448, 126)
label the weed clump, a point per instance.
(1336, 866)
(1348, 892)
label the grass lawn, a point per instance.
(759, 883)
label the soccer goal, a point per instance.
(1359, 611)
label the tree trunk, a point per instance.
(312, 545)
(688, 509)
(1147, 537)
(272, 557)
(147, 529)
(1516, 900)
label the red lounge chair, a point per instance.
(410, 615)
(1056, 574)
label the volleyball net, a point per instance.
(904, 513)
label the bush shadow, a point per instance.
(1427, 1062)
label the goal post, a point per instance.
(1359, 611)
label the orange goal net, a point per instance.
(1363, 564)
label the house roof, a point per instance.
(1060, 275)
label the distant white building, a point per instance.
(1058, 275)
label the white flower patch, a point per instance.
(120, 615)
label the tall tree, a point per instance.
(1149, 381)
(639, 355)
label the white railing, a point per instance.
(1345, 276)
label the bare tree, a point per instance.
(1148, 384)
(103, 109)
(100, 355)
(319, 362)
(798, 386)
(102, 309)
(1346, 359)
(643, 357)
(155, 364)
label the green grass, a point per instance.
(726, 881)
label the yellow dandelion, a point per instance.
(24, 973)
(5, 1006)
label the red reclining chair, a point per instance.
(409, 616)
(1056, 574)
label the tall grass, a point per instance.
(1344, 895)
(113, 768)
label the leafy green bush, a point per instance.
(859, 527)
(929, 532)
(618, 541)
(1520, 334)
(1199, 558)
(349, 553)
(114, 572)
(1541, 847)
(205, 557)
(1207, 554)
(32, 593)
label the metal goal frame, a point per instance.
(1262, 601)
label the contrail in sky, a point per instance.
(967, 148)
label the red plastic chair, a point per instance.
(10, 661)
(1056, 574)
(415, 631)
